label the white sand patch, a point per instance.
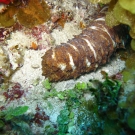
(17, 44)
(31, 69)
(68, 32)
(21, 39)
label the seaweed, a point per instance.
(100, 1)
(129, 72)
(34, 13)
(14, 93)
(29, 15)
(7, 18)
(121, 12)
(14, 119)
(128, 5)
(107, 95)
(133, 44)
(99, 114)
(91, 114)
(46, 84)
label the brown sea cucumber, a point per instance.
(82, 54)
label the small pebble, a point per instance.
(35, 66)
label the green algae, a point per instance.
(91, 115)
(88, 122)
(15, 119)
(128, 75)
(47, 84)
(133, 44)
(111, 20)
(130, 62)
(127, 102)
(128, 5)
(120, 12)
(129, 72)
(127, 97)
(118, 15)
(100, 1)
(122, 15)
(131, 121)
(111, 128)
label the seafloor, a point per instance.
(21, 65)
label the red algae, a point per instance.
(4, 33)
(5, 1)
(15, 93)
(40, 116)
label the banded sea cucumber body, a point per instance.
(82, 54)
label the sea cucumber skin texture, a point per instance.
(82, 54)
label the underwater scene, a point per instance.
(67, 67)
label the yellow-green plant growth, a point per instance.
(100, 1)
(128, 5)
(7, 18)
(129, 72)
(34, 13)
(121, 11)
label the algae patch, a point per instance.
(35, 13)
(7, 18)
(29, 15)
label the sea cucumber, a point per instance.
(82, 54)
